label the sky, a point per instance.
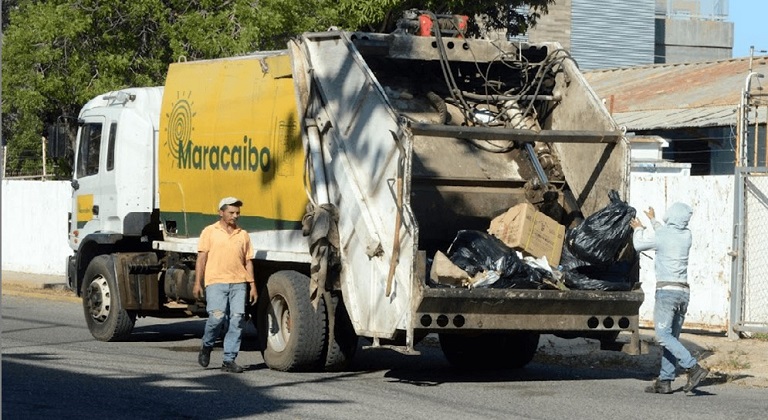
(750, 26)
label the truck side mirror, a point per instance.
(56, 144)
(60, 136)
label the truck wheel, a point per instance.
(509, 350)
(104, 313)
(292, 332)
(342, 348)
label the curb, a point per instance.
(16, 284)
(59, 294)
(32, 280)
(45, 286)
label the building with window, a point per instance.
(711, 113)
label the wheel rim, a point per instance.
(98, 299)
(279, 319)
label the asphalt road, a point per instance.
(53, 368)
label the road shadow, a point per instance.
(430, 368)
(188, 330)
(34, 391)
(553, 362)
(176, 331)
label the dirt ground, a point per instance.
(742, 362)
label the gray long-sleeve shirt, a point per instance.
(672, 242)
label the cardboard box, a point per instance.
(446, 272)
(526, 229)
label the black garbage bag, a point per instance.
(475, 251)
(531, 278)
(614, 277)
(569, 261)
(601, 236)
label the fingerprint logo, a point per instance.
(179, 128)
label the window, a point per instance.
(88, 154)
(111, 147)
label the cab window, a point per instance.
(111, 147)
(90, 145)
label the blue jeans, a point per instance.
(668, 316)
(225, 302)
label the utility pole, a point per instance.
(742, 158)
(42, 141)
(2, 140)
(744, 120)
(752, 55)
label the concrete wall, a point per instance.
(709, 270)
(554, 26)
(681, 41)
(34, 226)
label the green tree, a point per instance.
(382, 15)
(57, 54)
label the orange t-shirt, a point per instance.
(227, 254)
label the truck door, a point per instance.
(90, 162)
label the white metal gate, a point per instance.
(749, 285)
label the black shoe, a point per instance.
(695, 375)
(660, 387)
(204, 357)
(231, 367)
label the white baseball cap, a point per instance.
(229, 201)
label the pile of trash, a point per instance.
(587, 260)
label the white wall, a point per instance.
(34, 232)
(34, 226)
(709, 270)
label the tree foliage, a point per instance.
(57, 54)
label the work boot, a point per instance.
(204, 357)
(695, 375)
(659, 387)
(231, 367)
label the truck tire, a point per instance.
(291, 331)
(508, 350)
(104, 313)
(342, 345)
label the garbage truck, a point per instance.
(357, 156)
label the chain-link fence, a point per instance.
(749, 293)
